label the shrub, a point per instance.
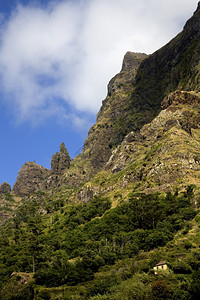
(161, 290)
(181, 267)
(180, 294)
(102, 285)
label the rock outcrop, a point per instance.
(132, 61)
(166, 151)
(115, 118)
(29, 179)
(135, 94)
(60, 161)
(144, 86)
(5, 188)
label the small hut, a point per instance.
(160, 266)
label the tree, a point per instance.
(195, 285)
(146, 210)
(160, 290)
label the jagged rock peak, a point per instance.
(60, 161)
(193, 24)
(132, 60)
(29, 179)
(5, 188)
(130, 65)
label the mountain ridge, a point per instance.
(135, 97)
(95, 226)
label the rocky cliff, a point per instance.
(135, 97)
(60, 160)
(160, 90)
(165, 153)
(5, 188)
(33, 177)
(163, 86)
(29, 179)
(130, 198)
(114, 119)
(135, 94)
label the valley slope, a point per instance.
(125, 199)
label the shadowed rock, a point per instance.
(60, 161)
(29, 179)
(5, 188)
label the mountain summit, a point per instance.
(95, 227)
(135, 97)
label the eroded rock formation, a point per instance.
(60, 161)
(5, 188)
(29, 179)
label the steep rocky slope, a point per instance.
(135, 94)
(33, 177)
(131, 198)
(113, 123)
(162, 156)
(113, 119)
(135, 97)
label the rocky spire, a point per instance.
(29, 179)
(60, 160)
(5, 188)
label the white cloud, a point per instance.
(57, 61)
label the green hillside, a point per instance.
(95, 227)
(92, 251)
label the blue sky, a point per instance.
(56, 58)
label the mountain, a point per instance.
(134, 98)
(94, 227)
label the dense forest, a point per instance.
(122, 219)
(82, 245)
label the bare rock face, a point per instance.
(165, 152)
(55, 163)
(184, 97)
(130, 65)
(5, 188)
(135, 98)
(132, 60)
(29, 179)
(116, 116)
(135, 94)
(86, 194)
(60, 160)
(64, 162)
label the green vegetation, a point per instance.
(54, 247)
(74, 243)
